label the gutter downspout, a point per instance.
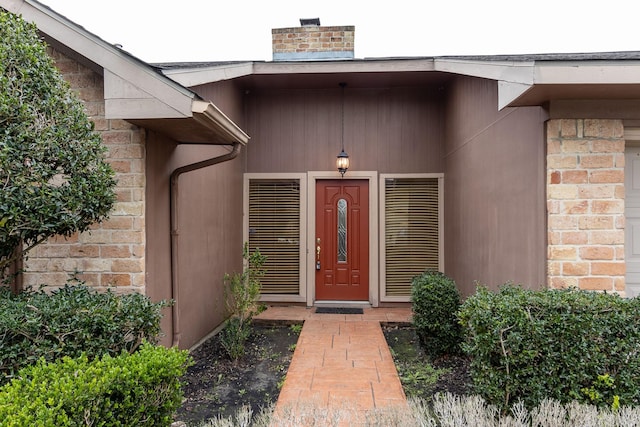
(174, 192)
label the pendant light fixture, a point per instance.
(342, 161)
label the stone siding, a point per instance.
(585, 204)
(111, 253)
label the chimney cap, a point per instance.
(310, 22)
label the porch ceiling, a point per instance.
(543, 93)
(353, 80)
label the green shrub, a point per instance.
(55, 178)
(141, 389)
(242, 292)
(436, 301)
(559, 344)
(70, 321)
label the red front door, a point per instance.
(342, 240)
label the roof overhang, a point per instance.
(529, 83)
(191, 76)
(523, 81)
(133, 90)
(207, 125)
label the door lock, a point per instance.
(318, 253)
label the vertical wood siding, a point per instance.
(387, 130)
(494, 189)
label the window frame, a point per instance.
(382, 231)
(302, 178)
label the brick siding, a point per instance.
(112, 253)
(585, 204)
(313, 39)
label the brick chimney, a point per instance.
(311, 41)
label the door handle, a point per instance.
(318, 253)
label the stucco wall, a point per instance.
(494, 189)
(112, 253)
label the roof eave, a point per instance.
(134, 90)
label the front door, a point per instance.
(342, 240)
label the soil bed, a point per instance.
(421, 377)
(215, 385)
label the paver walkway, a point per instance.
(341, 361)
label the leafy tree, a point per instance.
(54, 179)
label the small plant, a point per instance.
(435, 302)
(602, 391)
(292, 348)
(296, 328)
(242, 291)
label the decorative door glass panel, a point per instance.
(342, 230)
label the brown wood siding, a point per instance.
(494, 189)
(227, 96)
(210, 234)
(397, 130)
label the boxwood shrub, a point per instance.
(71, 321)
(565, 345)
(140, 389)
(435, 303)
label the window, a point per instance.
(411, 231)
(274, 228)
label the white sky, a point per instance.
(229, 30)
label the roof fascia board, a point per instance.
(514, 78)
(350, 66)
(118, 92)
(190, 77)
(509, 92)
(507, 71)
(587, 72)
(100, 52)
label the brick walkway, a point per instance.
(341, 361)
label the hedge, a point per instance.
(71, 321)
(140, 389)
(435, 303)
(560, 344)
